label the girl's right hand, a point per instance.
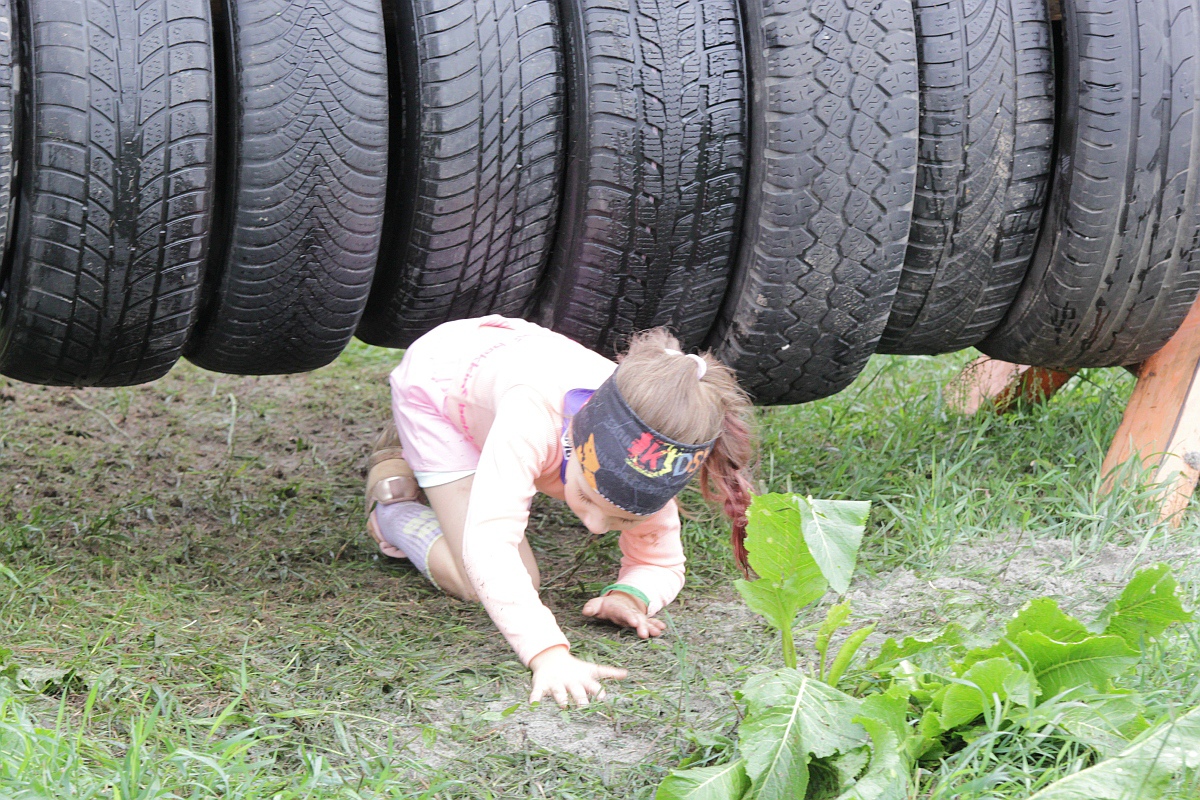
(564, 677)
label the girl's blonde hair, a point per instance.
(666, 390)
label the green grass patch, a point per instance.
(196, 610)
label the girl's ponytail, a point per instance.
(727, 471)
(668, 391)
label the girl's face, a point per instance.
(597, 514)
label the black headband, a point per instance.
(629, 463)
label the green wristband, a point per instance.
(627, 589)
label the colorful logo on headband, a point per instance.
(629, 463)
(589, 461)
(655, 458)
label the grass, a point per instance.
(196, 611)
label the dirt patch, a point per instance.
(979, 585)
(596, 736)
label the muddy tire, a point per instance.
(987, 134)
(655, 169)
(475, 188)
(1116, 268)
(116, 184)
(833, 163)
(303, 181)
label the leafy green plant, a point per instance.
(1141, 771)
(799, 548)
(921, 700)
(798, 728)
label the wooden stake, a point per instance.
(999, 385)
(1161, 424)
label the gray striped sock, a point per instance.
(411, 528)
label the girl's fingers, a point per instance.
(600, 672)
(579, 694)
(560, 695)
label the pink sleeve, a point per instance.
(652, 557)
(522, 440)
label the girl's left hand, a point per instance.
(624, 609)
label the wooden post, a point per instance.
(999, 385)
(1162, 420)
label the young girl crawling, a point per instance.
(490, 411)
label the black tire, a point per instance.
(8, 56)
(655, 169)
(986, 143)
(115, 190)
(1117, 266)
(833, 163)
(474, 194)
(304, 178)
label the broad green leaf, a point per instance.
(780, 600)
(1103, 722)
(766, 598)
(950, 641)
(844, 767)
(1022, 689)
(1147, 607)
(1045, 617)
(921, 685)
(1141, 772)
(981, 687)
(1065, 665)
(1037, 616)
(728, 782)
(833, 531)
(888, 775)
(789, 578)
(774, 543)
(889, 707)
(790, 719)
(928, 735)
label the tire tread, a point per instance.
(113, 232)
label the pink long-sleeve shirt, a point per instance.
(510, 405)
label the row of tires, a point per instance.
(795, 184)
